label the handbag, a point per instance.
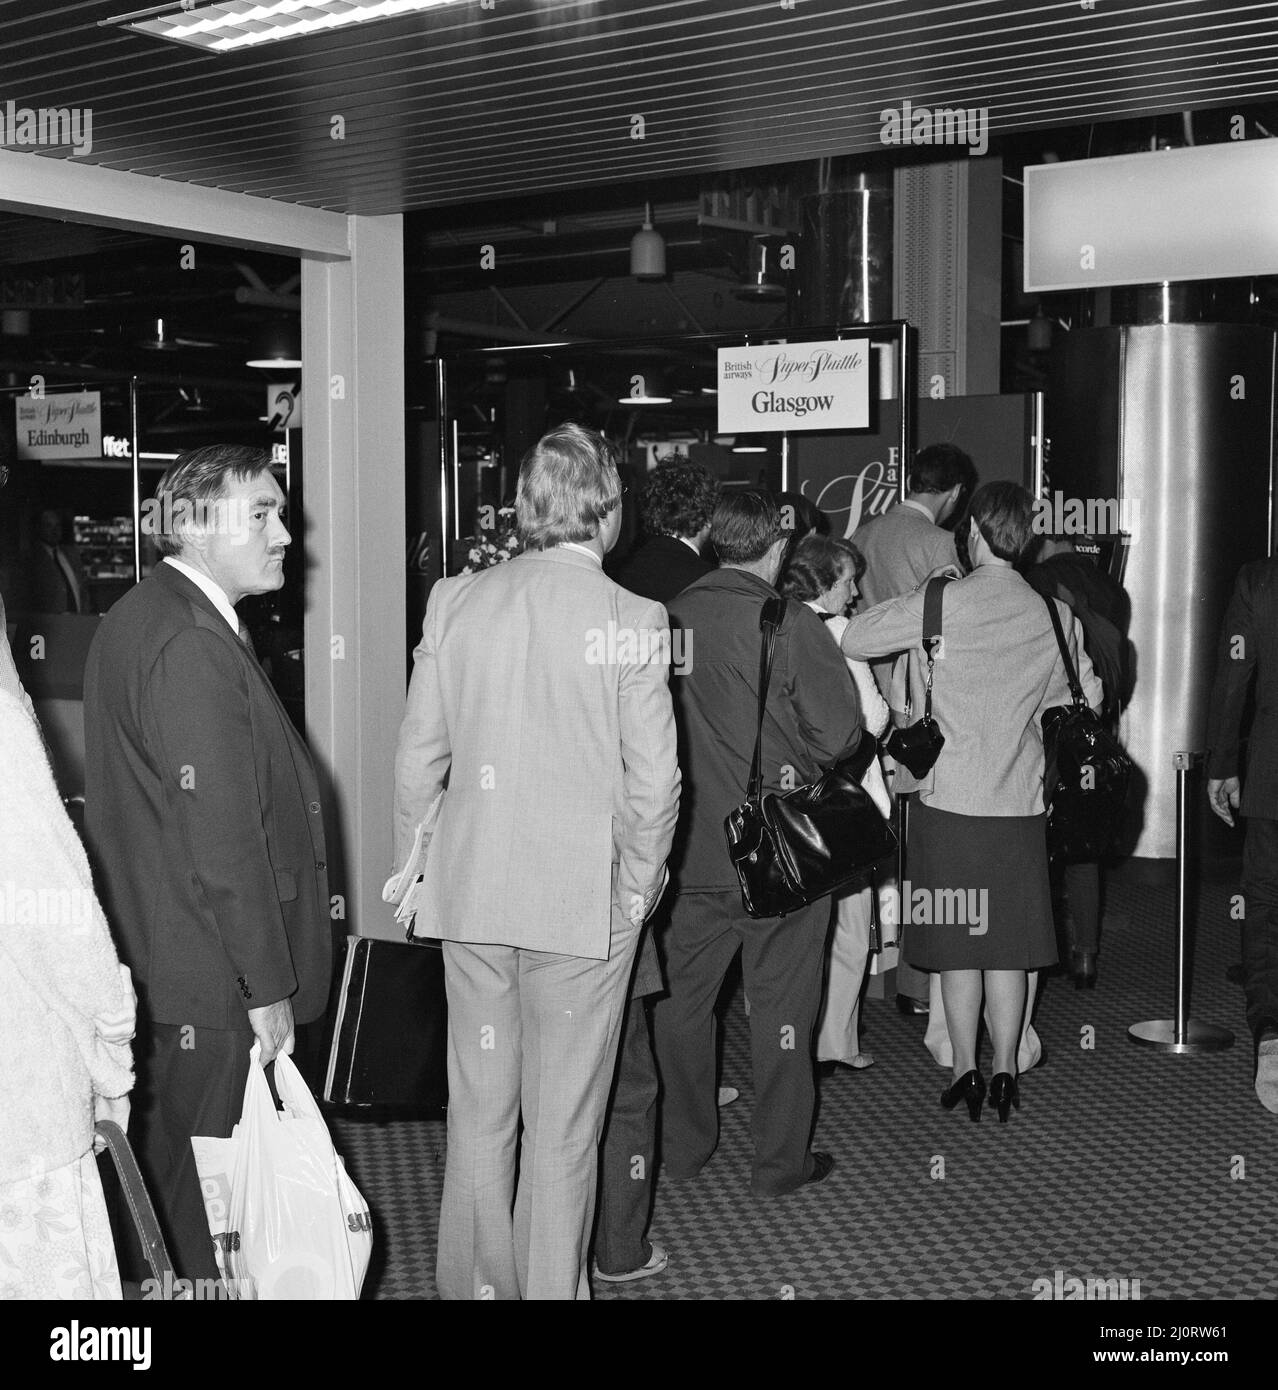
(1087, 772)
(791, 848)
(918, 745)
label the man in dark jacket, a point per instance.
(1249, 649)
(203, 819)
(678, 502)
(1102, 607)
(812, 714)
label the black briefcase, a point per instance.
(389, 1044)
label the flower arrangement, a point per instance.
(494, 544)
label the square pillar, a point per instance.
(354, 534)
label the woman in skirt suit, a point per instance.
(977, 893)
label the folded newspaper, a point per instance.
(403, 888)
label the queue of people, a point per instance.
(570, 750)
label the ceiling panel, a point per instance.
(466, 103)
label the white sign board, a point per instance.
(794, 386)
(60, 427)
(1138, 219)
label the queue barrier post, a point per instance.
(1182, 1034)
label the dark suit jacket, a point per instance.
(202, 814)
(1248, 647)
(661, 568)
(1103, 608)
(812, 712)
(47, 585)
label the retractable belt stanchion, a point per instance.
(1182, 1033)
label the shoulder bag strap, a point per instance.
(1075, 690)
(932, 599)
(769, 620)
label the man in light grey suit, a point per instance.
(540, 707)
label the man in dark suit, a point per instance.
(1249, 648)
(203, 816)
(812, 714)
(678, 503)
(55, 576)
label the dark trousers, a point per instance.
(1082, 891)
(1260, 923)
(782, 962)
(628, 1151)
(190, 1081)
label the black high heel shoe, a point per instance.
(1004, 1094)
(969, 1088)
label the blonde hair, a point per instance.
(568, 483)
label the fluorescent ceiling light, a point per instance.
(234, 24)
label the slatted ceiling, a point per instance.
(462, 104)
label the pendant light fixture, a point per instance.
(648, 250)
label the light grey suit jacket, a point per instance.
(901, 548)
(555, 738)
(999, 668)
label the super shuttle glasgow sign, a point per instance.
(794, 386)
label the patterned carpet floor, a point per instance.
(1123, 1162)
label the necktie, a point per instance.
(247, 638)
(68, 578)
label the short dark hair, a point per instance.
(1004, 515)
(939, 467)
(568, 483)
(744, 526)
(815, 565)
(678, 498)
(201, 475)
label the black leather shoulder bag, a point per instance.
(1087, 771)
(791, 848)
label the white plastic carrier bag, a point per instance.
(286, 1220)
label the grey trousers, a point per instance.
(782, 961)
(535, 1033)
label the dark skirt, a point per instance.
(979, 897)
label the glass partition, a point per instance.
(82, 459)
(655, 398)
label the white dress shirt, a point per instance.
(210, 587)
